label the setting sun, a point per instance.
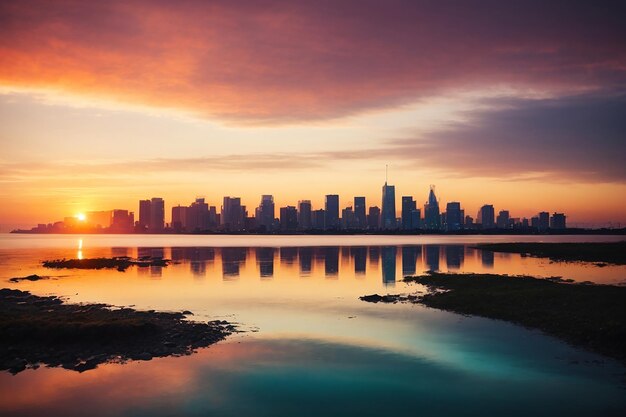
(81, 217)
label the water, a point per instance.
(311, 347)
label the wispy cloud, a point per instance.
(571, 139)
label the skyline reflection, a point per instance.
(332, 260)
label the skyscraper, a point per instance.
(144, 214)
(544, 220)
(232, 214)
(157, 215)
(408, 207)
(332, 212)
(360, 217)
(288, 218)
(388, 215)
(486, 216)
(265, 212)
(318, 219)
(304, 214)
(347, 218)
(373, 218)
(502, 221)
(197, 216)
(432, 217)
(454, 216)
(558, 221)
(179, 217)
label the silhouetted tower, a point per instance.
(432, 217)
(388, 215)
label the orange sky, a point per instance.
(105, 104)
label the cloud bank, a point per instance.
(290, 61)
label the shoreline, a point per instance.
(44, 330)
(588, 316)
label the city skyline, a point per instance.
(102, 103)
(233, 216)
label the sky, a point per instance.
(518, 104)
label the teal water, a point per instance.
(310, 347)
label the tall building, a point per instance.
(416, 219)
(179, 218)
(197, 216)
(360, 216)
(265, 213)
(233, 214)
(288, 218)
(332, 212)
(558, 221)
(152, 215)
(454, 216)
(347, 218)
(408, 207)
(122, 221)
(543, 220)
(157, 215)
(373, 218)
(318, 218)
(503, 219)
(432, 217)
(388, 214)
(304, 214)
(144, 214)
(486, 217)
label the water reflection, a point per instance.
(432, 257)
(487, 258)
(454, 256)
(385, 264)
(359, 256)
(265, 261)
(389, 265)
(232, 259)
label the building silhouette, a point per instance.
(331, 207)
(373, 218)
(486, 216)
(503, 220)
(558, 221)
(179, 218)
(288, 218)
(543, 221)
(304, 214)
(409, 206)
(360, 216)
(151, 215)
(388, 214)
(265, 213)
(233, 214)
(432, 217)
(318, 219)
(454, 216)
(347, 218)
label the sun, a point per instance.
(81, 217)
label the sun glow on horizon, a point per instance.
(81, 217)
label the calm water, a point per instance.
(312, 347)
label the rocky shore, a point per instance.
(46, 331)
(120, 263)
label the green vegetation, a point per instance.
(43, 330)
(600, 252)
